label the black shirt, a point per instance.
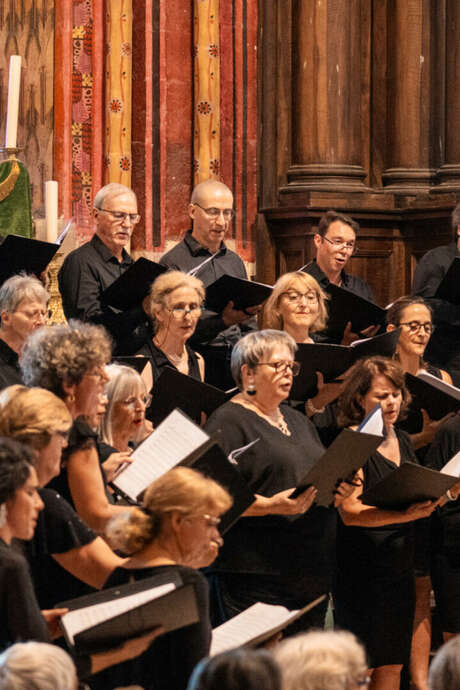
(169, 662)
(187, 255)
(59, 529)
(444, 345)
(274, 544)
(84, 275)
(349, 282)
(20, 617)
(10, 372)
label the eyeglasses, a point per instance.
(210, 520)
(121, 216)
(363, 682)
(340, 244)
(214, 213)
(180, 312)
(416, 326)
(282, 366)
(145, 400)
(63, 434)
(38, 314)
(295, 297)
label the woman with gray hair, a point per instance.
(23, 309)
(281, 551)
(444, 671)
(322, 660)
(37, 666)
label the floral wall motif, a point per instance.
(118, 78)
(206, 161)
(27, 29)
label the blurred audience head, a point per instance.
(36, 666)
(444, 671)
(237, 669)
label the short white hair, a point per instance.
(111, 190)
(321, 660)
(36, 666)
(20, 287)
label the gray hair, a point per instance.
(123, 382)
(445, 668)
(111, 190)
(18, 288)
(36, 666)
(321, 660)
(255, 346)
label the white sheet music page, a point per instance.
(257, 620)
(440, 384)
(453, 466)
(373, 423)
(175, 438)
(90, 616)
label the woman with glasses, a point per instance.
(281, 551)
(176, 300)
(69, 360)
(374, 589)
(414, 317)
(123, 425)
(175, 532)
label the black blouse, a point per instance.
(274, 544)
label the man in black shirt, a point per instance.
(90, 269)
(443, 348)
(204, 253)
(335, 243)
(23, 309)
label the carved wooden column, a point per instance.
(449, 172)
(330, 93)
(414, 142)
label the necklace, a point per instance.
(175, 359)
(277, 420)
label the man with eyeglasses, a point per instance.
(90, 269)
(335, 242)
(443, 349)
(204, 253)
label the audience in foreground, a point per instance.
(37, 666)
(445, 668)
(238, 669)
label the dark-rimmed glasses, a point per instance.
(281, 366)
(416, 326)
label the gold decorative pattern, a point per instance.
(7, 185)
(206, 90)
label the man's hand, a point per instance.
(230, 316)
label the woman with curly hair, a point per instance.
(374, 593)
(69, 360)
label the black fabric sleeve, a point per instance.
(427, 278)
(62, 529)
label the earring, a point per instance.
(251, 389)
(3, 514)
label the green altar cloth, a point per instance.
(15, 199)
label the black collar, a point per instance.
(196, 249)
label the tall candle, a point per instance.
(13, 102)
(51, 210)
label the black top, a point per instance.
(274, 544)
(10, 372)
(159, 361)
(84, 275)
(20, 617)
(167, 665)
(59, 529)
(378, 552)
(187, 255)
(444, 344)
(446, 520)
(349, 282)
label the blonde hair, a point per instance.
(291, 281)
(180, 490)
(123, 382)
(31, 415)
(165, 284)
(321, 660)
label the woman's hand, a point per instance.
(130, 649)
(327, 392)
(52, 618)
(345, 489)
(281, 504)
(429, 428)
(417, 511)
(113, 464)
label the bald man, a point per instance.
(211, 211)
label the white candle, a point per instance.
(51, 210)
(13, 102)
